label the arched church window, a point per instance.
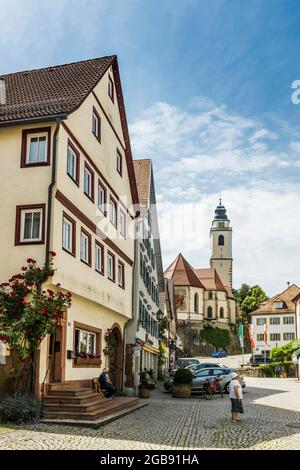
(196, 303)
(222, 312)
(209, 312)
(221, 240)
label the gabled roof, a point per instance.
(51, 90)
(287, 297)
(143, 170)
(210, 279)
(182, 273)
(230, 294)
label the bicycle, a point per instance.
(211, 387)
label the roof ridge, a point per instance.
(51, 67)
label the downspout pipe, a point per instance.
(50, 189)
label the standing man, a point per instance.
(106, 384)
(236, 397)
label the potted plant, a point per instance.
(145, 384)
(182, 383)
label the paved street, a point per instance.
(272, 407)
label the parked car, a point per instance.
(196, 367)
(220, 353)
(257, 359)
(208, 373)
(186, 361)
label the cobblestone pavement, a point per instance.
(272, 407)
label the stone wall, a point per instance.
(287, 370)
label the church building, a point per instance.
(204, 296)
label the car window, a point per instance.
(204, 373)
(218, 372)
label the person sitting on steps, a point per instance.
(105, 383)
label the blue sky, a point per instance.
(208, 95)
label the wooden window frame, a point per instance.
(119, 158)
(77, 179)
(102, 271)
(104, 212)
(111, 83)
(89, 237)
(109, 253)
(24, 146)
(88, 168)
(122, 265)
(111, 199)
(122, 213)
(72, 221)
(95, 112)
(88, 363)
(19, 210)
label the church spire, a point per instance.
(220, 212)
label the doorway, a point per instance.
(116, 359)
(56, 354)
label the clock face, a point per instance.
(221, 224)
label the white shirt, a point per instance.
(235, 383)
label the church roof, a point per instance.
(210, 279)
(220, 212)
(182, 273)
(287, 297)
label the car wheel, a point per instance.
(226, 388)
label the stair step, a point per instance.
(65, 399)
(77, 408)
(70, 392)
(114, 406)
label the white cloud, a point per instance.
(205, 150)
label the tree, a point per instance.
(218, 337)
(27, 312)
(285, 352)
(252, 301)
(241, 293)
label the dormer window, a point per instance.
(278, 304)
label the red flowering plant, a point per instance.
(27, 312)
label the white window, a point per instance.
(275, 321)
(123, 224)
(113, 212)
(121, 274)
(278, 304)
(119, 162)
(261, 321)
(260, 337)
(99, 261)
(288, 320)
(288, 336)
(85, 342)
(68, 234)
(96, 124)
(101, 198)
(31, 225)
(85, 247)
(88, 182)
(111, 267)
(37, 148)
(72, 163)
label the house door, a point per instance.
(57, 354)
(116, 360)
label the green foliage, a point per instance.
(252, 301)
(146, 380)
(183, 376)
(28, 313)
(241, 293)
(163, 326)
(19, 409)
(218, 337)
(284, 353)
(287, 368)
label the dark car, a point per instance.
(257, 359)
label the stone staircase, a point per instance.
(64, 402)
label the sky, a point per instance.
(208, 94)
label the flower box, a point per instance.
(81, 361)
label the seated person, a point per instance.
(106, 384)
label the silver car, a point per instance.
(223, 373)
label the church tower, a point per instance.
(221, 245)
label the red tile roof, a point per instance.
(210, 279)
(52, 90)
(287, 297)
(182, 273)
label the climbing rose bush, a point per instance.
(28, 313)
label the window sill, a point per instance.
(99, 272)
(89, 264)
(74, 180)
(40, 242)
(91, 198)
(97, 137)
(69, 252)
(28, 165)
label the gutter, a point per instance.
(50, 189)
(51, 117)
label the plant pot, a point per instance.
(144, 392)
(181, 390)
